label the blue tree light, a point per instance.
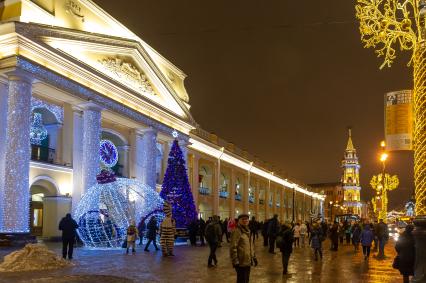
(176, 189)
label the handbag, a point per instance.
(395, 263)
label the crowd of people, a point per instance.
(242, 233)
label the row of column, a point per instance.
(282, 211)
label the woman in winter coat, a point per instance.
(356, 236)
(406, 253)
(367, 237)
(151, 234)
(316, 240)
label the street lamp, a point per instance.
(331, 210)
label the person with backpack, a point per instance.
(68, 226)
(285, 244)
(151, 234)
(367, 237)
(132, 235)
(241, 250)
(317, 238)
(213, 234)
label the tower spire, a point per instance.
(350, 145)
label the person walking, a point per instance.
(285, 244)
(132, 235)
(253, 228)
(376, 240)
(241, 250)
(341, 232)
(151, 234)
(303, 232)
(213, 233)
(141, 230)
(382, 237)
(192, 231)
(317, 238)
(68, 226)
(367, 237)
(202, 228)
(225, 229)
(334, 237)
(406, 253)
(356, 236)
(296, 233)
(273, 229)
(265, 233)
(348, 233)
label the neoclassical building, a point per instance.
(72, 76)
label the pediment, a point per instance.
(119, 62)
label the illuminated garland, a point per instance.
(382, 186)
(384, 24)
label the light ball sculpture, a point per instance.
(107, 209)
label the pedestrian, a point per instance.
(68, 226)
(253, 228)
(232, 224)
(141, 230)
(285, 244)
(273, 229)
(334, 237)
(192, 231)
(213, 233)
(303, 232)
(308, 226)
(341, 232)
(201, 229)
(167, 231)
(241, 250)
(406, 253)
(382, 237)
(225, 229)
(317, 238)
(151, 234)
(265, 233)
(132, 235)
(367, 237)
(296, 233)
(356, 236)
(376, 240)
(348, 233)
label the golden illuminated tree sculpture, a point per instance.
(387, 25)
(382, 184)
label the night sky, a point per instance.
(280, 79)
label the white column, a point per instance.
(16, 192)
(77, 156)
(3, 126)
(166, 151)
(91, 140)
(148, 157)
(195, 178)
(124, 159)
(215, 192)
(267, 192)
(135, 156)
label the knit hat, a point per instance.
(243, 215)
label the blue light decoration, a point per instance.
(176, 189)
(108, 153)
(37, 132)
(106, 210)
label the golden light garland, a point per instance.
(385, 24)
(383, 183)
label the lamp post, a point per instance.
(331, 210)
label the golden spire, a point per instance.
(350, 145)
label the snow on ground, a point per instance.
(33, 257)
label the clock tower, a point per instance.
(350, 179)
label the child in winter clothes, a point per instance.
(132, 235)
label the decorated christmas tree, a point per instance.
(176, 189)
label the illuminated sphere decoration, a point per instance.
(38, 132)
(107, 209)
(108, 153)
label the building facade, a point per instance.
(71, 77)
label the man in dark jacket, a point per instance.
(406, 253)
(265, 232)
(334, 236)
(202, 228)
(151, 234)
(383, 237)
(253, 228)
(68, 227)
(273, 229)
(213, 233)
(285, 244)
